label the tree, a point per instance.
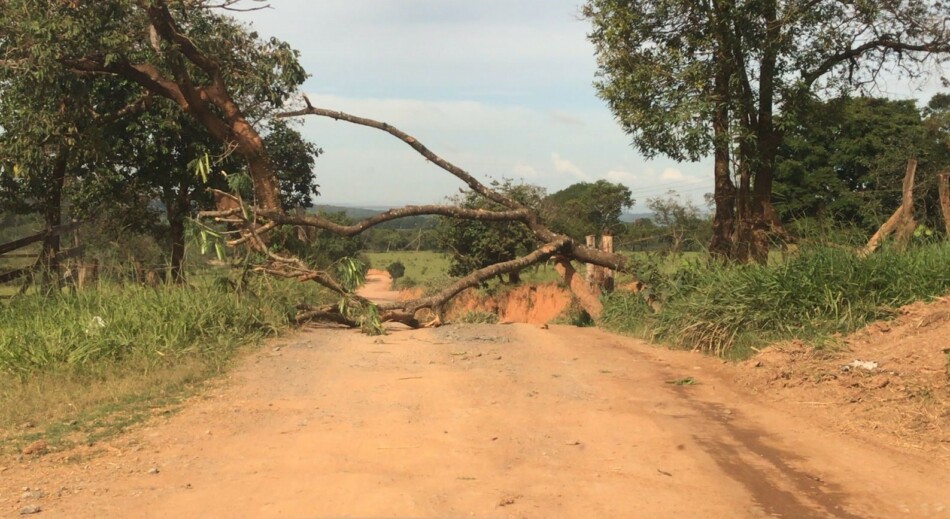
(681, 218)
(478, 244)
(182, 51)
(191, 54)
(844, 160)
(686, 79)
(210, 100)
(585, 209)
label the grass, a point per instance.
(421, 266)
(99, 359)
(812, 295)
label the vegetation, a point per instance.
(811, 295)
(476, 244)
(585, 209)
(75, 355)
(157, 122)
(726, 77)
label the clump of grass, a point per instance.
(67, 355)
(811, 295)
(478, 317)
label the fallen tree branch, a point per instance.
(902, 221)
(456, 171)
(395, 214)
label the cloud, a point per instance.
(562, 165)
(620, 177)
(562, 117)
(524, 171)
(675, 175)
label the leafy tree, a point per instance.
(585, 208)
(685, 79)
(246, 78)
(477, 244)
(844, 160)
(186, 52)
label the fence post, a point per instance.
(591, 271)
(607, 245)
(943, 182)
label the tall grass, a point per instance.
(69, 353)
(728, 309)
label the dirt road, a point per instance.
(481, 421)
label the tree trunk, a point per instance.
(767, 140)
(53, 217)
(724, 191)
(587, 297)
(176, 208)
(514, 277)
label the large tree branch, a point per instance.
(884, 43)
(394, 214)
(477, 277)
(456, 171)
(164, 23)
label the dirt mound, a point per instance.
(890, 380)
(532, 304)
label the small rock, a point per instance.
(30, 510)
(868, 365)
(37, 447)
(153, 470)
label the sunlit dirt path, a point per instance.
(480, 421)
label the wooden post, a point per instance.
(902, 221)
(943, 182)
(591, 270)
(607, 245)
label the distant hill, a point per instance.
(356, 213)
(632, 217)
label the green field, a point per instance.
(421, 266)
(426, 267)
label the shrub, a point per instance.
(396, 269)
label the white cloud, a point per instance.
(675, 175)
(620, 177)
(524, 171)
(562, 165)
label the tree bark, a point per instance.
(722, 244)
(588, 297)
(176, 208)
(943, 182)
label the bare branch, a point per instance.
(394, 214)
(456, 171)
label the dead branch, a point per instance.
(902, 221)
(395, 214)
(456, 171)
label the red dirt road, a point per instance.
(481, 421)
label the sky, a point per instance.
(501, 88)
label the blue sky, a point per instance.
(502, 88)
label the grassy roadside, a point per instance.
(77, 367)
(812, 295)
